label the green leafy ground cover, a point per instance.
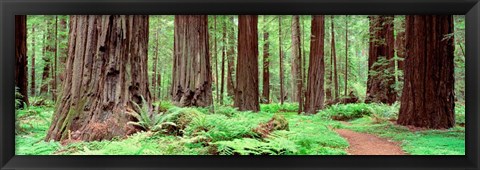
(225, 131)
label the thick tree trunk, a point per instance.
(32, 62)
(297, 62)
(428, 92)
(106, 73)
(266, 65)
(280, 51)
(246, 93)
(192, 77)
(381, 75)
(316, 68)
(231, 59)
(21, 63)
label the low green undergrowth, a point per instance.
(347, 112)
(415, 142)
(224, 130)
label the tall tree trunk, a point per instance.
(334, 61)
(266, 65)
(400, 43)
(54, 73)
(329, 69)
(246, 93)
(304, 58)
(381, 65)
(231, 59)
(346, 55)
(297, 61)
(280, 42)
(21, 62)
(428, 92)
(316, 69)
(224, 50)
(49, 49)
(192, 77)
(215, 56)
(32, 62)
(155, 60)
(106, 73)
(62, 48)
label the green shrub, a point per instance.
(276, 107)
(249, 146)
(347, 112)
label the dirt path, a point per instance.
(367, 144)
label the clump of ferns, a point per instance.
(145, 117)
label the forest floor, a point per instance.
(230, 132)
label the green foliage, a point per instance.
(423, 142)
(18, 98)
(144, 116)
(277, 108)
(249, 146)
(358, 110)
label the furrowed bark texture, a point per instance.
(231, 59)
(266, 66)
(428, 92)
(381, 75)
(316, 68)
(21, 62)
(192, 77)
(246, 93)
(106, 72)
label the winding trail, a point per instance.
(367, 144)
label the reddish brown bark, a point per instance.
(266, 65)
(428, 92)
(192, 77)
(32, 63)
(334, 62)
(380, 61)
(21, 62)
(246, 93)
(106, 73)
(224, 50)
(316, 68)
(231, 59)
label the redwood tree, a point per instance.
(32, 63)
(280, 51)
(381, 65)
(21, 62)
(297, 63)
(428, 92)
(231, 58)
(106, 73)
(192, 77)
(266, 65)
(246, 93)
(316, 68)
